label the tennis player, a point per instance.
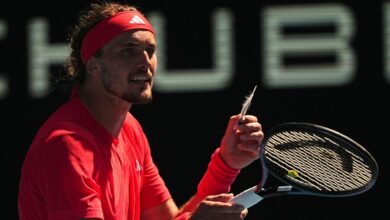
(91, 158)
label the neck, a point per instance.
(108, 110)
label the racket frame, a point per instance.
(255, 194)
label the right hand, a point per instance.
(216, 207)
(241, 146)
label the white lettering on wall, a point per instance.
(197, 80)
(41, 55)
(277, 45)
(4, 88)
(386, 37)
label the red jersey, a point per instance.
(76, 169)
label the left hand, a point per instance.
(216, 207)
(241, 146)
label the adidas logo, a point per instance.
(138, 167)
(137, 20)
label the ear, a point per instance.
(92, 66)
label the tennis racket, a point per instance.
(311, 160)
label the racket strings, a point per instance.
(320, 161)
(317, 177)
(282, 168)
(328, 154)
(305, 171)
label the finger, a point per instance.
(220, 204)
(223, 197)
(244, 213)
(232, 125)
(221, 207)
(248, 119)
(256, 137)
(249, 127)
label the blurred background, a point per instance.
(323, 62)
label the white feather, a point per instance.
(245, 106)
(247, 103)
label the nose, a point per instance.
(145, 60)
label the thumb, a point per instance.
(224, 197)
(233, 123)
(230, 137)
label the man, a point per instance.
(91, 159)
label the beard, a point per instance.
(135, 93)
(141, 97)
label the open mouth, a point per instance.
(140, 79)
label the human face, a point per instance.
(128, 65)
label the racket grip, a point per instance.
(247, 198)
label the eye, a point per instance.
(130, 50)
(150, 51)
(138, 49)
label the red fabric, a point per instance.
(218, 177)
(183, 216)
(75, 169)
(109, 28)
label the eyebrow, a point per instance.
(131, 43)
(138, 43)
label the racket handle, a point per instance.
(247, 198)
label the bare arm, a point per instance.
(165, 211)
(198, 208)
(213, 207)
